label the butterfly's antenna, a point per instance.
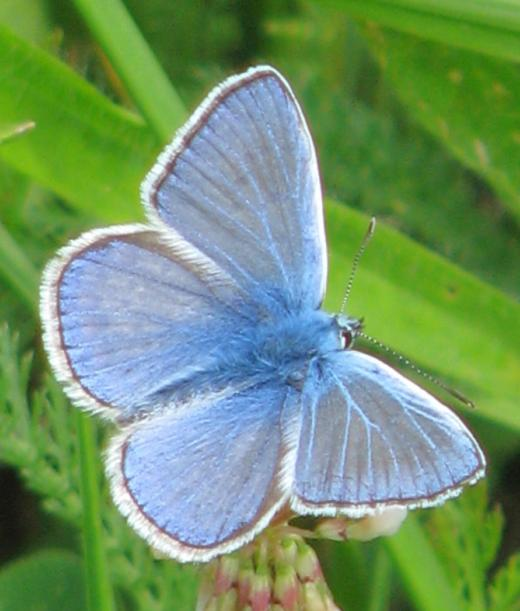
(361, 250)
(454, 393)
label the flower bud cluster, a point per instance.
(274, 573)
(279, 571)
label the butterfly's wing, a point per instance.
(370, 439)
(132, 321)
(240, 182)
(205, 480)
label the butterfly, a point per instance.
(200, 335)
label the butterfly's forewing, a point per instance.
(129, 320)
(241, 183)
(370, 438)
(204, 481)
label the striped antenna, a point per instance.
(355, 264)
(454, 393)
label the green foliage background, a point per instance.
(415, 109)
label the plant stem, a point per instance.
(99, 590)
(135, 63)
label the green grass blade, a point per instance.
(381, 580)
(83, 147)
(497, 13)
(135, 64)
(99, 591)
(491, 27)
(17, 270)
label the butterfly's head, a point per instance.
(348, 329)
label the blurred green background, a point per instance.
(414, 106)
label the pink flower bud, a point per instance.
(307, 564)
(286, 586)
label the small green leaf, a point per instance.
(504, 591)
(467, 537)
(48, 580)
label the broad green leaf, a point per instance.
(442, 318)
(28, 18)
(83, 147)
(48, 580)
(368, 159)
(486, 26)
(15, 268)
(421, 569)
(468, 101)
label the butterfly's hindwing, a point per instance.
(370, 439)
(204, 481)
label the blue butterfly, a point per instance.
(200, 334)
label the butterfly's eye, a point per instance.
(346, 338)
